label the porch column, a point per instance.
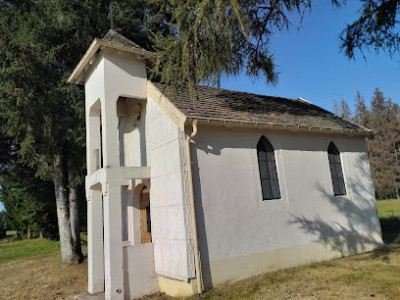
(95, 242)
(114, 273)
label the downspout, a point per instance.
(199, 279)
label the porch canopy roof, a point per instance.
(111, 40)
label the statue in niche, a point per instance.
(135, 115)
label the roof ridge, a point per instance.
(236, 91)
(229, 90)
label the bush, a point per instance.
(385, 193)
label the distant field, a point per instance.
(27, 248)
(388, 208)
(11, 232)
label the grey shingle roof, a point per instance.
(217, 104)
(114, 37)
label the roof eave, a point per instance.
(76, 76)
(276, 126)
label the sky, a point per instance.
(1, 206)
(311, 65)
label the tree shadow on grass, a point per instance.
(390, 230)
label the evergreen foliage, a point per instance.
(361, 111)
(383, 117)
(210, 38)
(42, 117)
(377, 27)
(42, 135)
(8, 150)
(30, 205)
(345, 112)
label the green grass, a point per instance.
(389, 217)
(84, 239)
(27, 248)
(388, 208)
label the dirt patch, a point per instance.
(41, 277)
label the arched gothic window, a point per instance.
(335, 165)
(267, 168)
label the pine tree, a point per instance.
(210, 38)
(376, 28)
(41, 42)
(384, 121)
(393, 138)
(336, 109)
(342, 110)
(345, 112)
(361, 111)
(29, 203)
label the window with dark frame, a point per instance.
(335, 166)
(267, 167)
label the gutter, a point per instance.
(287, 127)
(199, 277)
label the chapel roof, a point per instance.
(213, 105)
(220, 106)
(114, 37)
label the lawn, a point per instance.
(27, 248)
(388, 208)
(11, 232)
(32, 270)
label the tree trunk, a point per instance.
(64, 225)
(74, 211)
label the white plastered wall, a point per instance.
(242, 235)
(170, 215)
(112, 75)
(132, 133)
(119, 271)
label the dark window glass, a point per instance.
(148, 219)
(267, 168)
(335, 166)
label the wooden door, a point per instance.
(145, 216)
